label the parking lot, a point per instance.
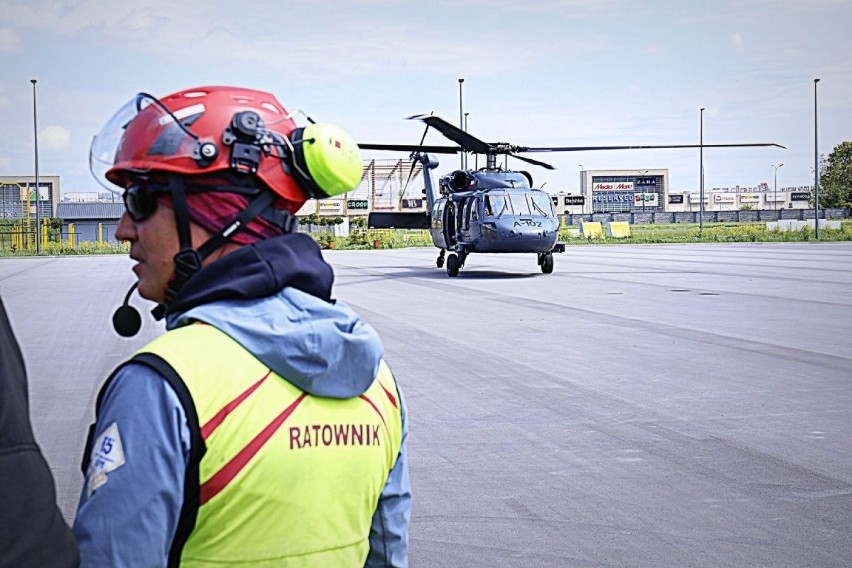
(669, 405)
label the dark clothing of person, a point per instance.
(260, 270)
(32, 530)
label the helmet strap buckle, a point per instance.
(187, 263)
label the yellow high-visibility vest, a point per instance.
(287, 479)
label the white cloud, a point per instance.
(737, 41)
(55, 138)
(5, 162)
(347, 45)
(9, 40)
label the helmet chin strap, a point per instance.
(188, 261)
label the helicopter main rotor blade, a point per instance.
(426, 130)
(585, 148)
(412, 148)
(454, 133)
(531, 161)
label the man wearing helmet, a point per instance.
(264, 427)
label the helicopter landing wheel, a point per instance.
(440, 262)
(547, 263)
(453, 265)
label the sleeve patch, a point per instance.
(107, 455)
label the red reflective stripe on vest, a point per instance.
(220, 416)
(224, 476)
(391, 397)
(379, 412)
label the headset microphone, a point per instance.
(126, 320)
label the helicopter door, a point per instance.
(439, 212)
(450, 225)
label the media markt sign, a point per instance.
(613, 186)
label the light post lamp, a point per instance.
(35, 134)
(816, 166)
(461, 119)
(776, 186)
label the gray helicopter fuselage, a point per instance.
(481, 211)
(504, 218)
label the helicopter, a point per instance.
(490, 209)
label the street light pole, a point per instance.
(816, 166)
(701, 175)
(776, 186)
(461, 119)
(35, 135)
(465, 129)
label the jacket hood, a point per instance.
(273, 298)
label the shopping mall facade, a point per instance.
(648, 191)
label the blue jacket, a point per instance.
(274, 298)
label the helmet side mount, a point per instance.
(243, 136)
(205, 153)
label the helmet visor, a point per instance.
(142, 133)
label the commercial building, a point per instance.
(648, 191)
(19, 198)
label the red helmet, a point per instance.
(211, 130)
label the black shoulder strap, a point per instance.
(191, 485)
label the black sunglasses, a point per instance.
(140, 202)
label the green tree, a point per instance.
(835, 180)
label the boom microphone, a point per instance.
(126, 320)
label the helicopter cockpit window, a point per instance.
(496, 205)
(541, 204)
(519, 203)
(438, 212)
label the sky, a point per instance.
(536, 73)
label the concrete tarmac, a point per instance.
(653, 406)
